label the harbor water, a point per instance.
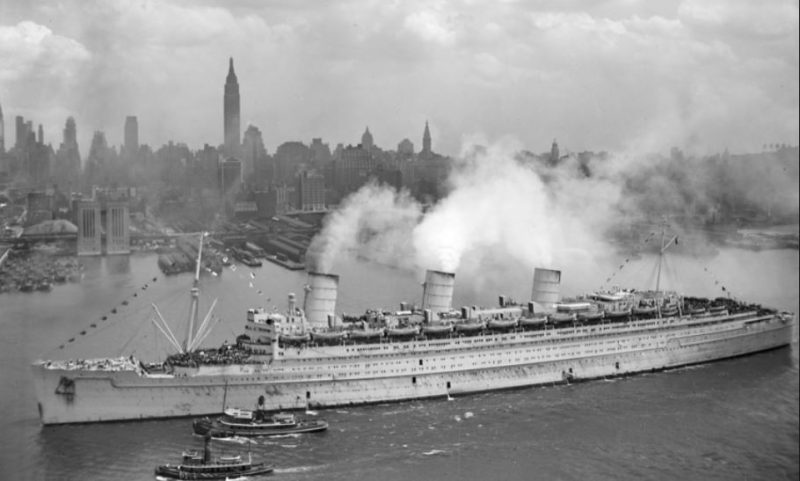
(734, 419)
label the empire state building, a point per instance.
(231, 111)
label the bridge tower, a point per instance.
(89, 228)
(117, 228)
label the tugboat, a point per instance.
(246, 423)
(197, 466)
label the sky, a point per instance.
(617, 75)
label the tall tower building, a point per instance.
(426, 140)
(70, 132)
(2, 133)
(366, 140)
(131, 134)
(231, 112)
(68, 158)
(554, 153)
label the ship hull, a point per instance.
(403, 370)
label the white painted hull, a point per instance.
(407, 370)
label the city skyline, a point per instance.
(618, 76)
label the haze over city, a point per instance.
(616, 76)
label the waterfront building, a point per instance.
(231, 113)
(310, 191)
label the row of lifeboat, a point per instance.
(472, 327)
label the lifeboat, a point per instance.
(671, 312)
(332, 337)
(644, 311)
(402, 332)
(695, 311)
(561, 318)
(501, 324)
(532, 322)
(295, 338)
(366, 334)
(468, 328)
(616, 314)
(591, 316)
(437, 329)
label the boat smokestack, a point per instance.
(546, 288)
(320, 299)
(437, 294)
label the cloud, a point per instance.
(599, 77)
(30, 52)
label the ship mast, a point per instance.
(663, 248)
(187, 343)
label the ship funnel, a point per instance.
(437, 294)
(546, 288)
(320, 300)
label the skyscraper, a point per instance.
(2, 133)
(426, 140)
(231, 113)
(131, 134)
(366, 140)
(68, 159)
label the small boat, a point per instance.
(331, 337)
(561, 318)
(365, 334)
(468, 328)
(672, 312)
(501, 324)
(295, 338)
(643, 311)
(402, 332)
(695, 311)
(591, 316)
(437, 329)
(195, 465)
(616, 313)
(532, 322)
(246, 423)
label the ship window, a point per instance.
(448, 384)
(420, 362)
(308, 394)
(414, 380)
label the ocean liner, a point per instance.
(307, 357)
